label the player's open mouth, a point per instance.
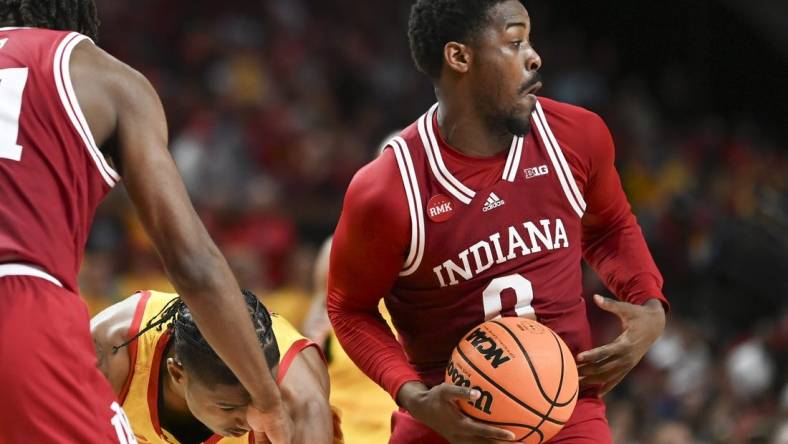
(533, 88)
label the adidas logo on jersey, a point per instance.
(541, 170)
(493, 202)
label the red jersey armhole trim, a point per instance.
(153, 382)
(290, 355)
(135, 328)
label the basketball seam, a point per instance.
(554, 403)
(506, 392)
(560, 384)
(513, 424)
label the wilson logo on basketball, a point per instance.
(487, 347)
(484, 403)
(440, 208)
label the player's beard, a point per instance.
(517, 125)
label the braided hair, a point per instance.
(64, 15)
(193, 351)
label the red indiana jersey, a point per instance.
(52, 174)
(451, 241)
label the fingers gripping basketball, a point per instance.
(525, 373)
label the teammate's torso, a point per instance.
(52, 175)
(139, 395)
(510, 248)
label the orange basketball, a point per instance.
(526, 373)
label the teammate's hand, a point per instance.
(270, 427)
(437, 408)
(607, 365)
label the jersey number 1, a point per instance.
(12, 85)
(492, 297)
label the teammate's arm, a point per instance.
(306, 388)
(118, 100)
(613, 244)
(367, 254)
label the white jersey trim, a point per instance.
(540, 126)
(450, 183)
(417, 237)
(70, 103)
(27, 270)
(513, 160)
(439, 170)
(562, 159)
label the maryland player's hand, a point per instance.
(607, 365)
(270, 427)
(437, 408)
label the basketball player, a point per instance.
(174, 387)
(61, 99)
(485, 207)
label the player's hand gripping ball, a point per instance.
(525, 372)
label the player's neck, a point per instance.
(466, 131)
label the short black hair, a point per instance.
(193, 351)
(64, 15)
(433, 23)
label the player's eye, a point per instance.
(516, 44)
(225, 408)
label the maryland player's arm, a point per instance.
(305, 389)
(120, 103)
(369, 248)
(613, 243)
(110, 328)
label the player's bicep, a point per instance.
(113, 363)
(607, 205)
(371, 239)
(109, 329)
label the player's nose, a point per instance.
(532, 60)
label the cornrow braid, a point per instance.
(166, 314)
(64, 15)
(194, 352)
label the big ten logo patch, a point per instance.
(540, 170)
(440, 208)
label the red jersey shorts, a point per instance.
(51, 390)
(588, 425)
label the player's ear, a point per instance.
(457, 57)
(175, 369)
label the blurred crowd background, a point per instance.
(273, 105)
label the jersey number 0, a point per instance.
(493, 297)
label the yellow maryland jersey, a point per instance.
(365, 407)
(139, 393)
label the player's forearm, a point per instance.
(622, 260)
(314, 422)
(369, 342)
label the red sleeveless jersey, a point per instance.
(52, 175)
(450, 241)
(512, 248)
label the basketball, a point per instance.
(525, 372)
